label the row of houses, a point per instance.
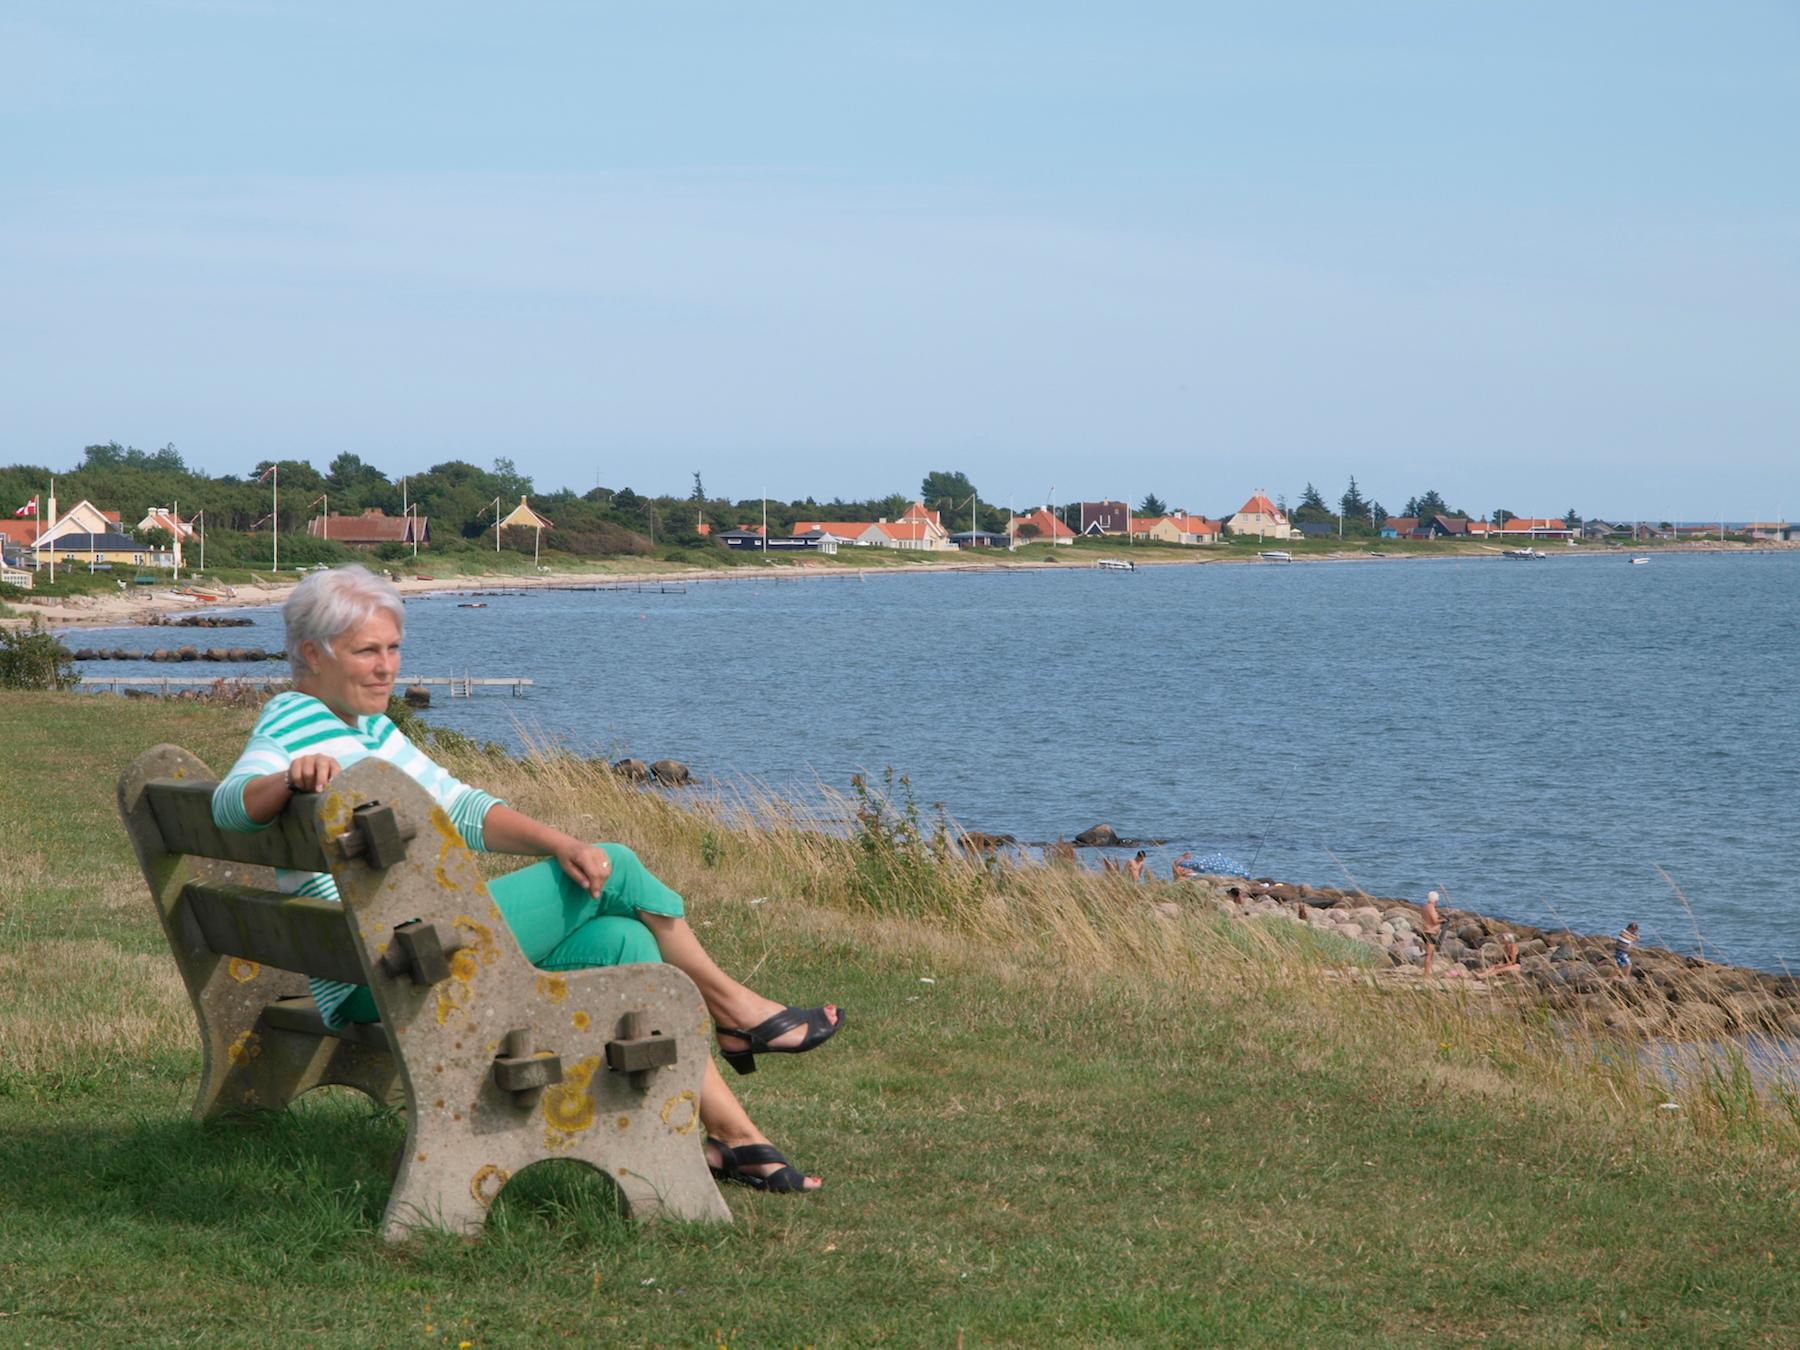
(919, 529)
(86, 535)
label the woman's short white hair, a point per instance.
(329, 604)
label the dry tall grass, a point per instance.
(889, 879)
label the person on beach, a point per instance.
(1431, 928)
(583, 905)
(1622, 945)
(1180, 870)
(1509, 956)
(1135, 868)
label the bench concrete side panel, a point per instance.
(465, 1135)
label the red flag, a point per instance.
(29, 509)
(266, 472)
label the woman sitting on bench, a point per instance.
(584, 905)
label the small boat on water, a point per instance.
(479, 604)
(1276, 555)
(1639, 562)
(1524, 554)
(1115, 565)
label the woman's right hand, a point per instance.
(312, 773)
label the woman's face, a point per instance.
(356, 676)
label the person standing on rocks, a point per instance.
(1622, 945)
(1431, 924)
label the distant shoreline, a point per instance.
(135, 610)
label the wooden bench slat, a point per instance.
(183, 813)
(289, 932)
(302, 1015)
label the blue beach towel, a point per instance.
(1218, 865)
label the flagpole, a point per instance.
(275, 517)
(52, 531)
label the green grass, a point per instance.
(1101, 1127)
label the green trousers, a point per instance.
(559, 926)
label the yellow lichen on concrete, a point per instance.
(451, 995)
(568, 1108)
(243, 971)
(245, 1048)
(487, 1183)
(553, 987)
(672, 1108)
(581, 1020)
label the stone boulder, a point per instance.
(1097, 836)
(632, 770)
(417, 696)
(671, 773)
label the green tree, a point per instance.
(1152, 505)
(1572, 518)
(1427, 506)
(1501, 516)
(1312, 508)
(1378, 514)
(945, 490)
(1352, 505)
(348, 474)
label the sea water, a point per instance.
(1573, 741)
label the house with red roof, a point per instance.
(916, 530)
(1261, 517)
(1046, 528)
(161, 518)
(1537, 527)
(1179, 528)
(374, 526)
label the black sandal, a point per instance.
(735, 1162)
(819, 1029)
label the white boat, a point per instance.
(1276, 555)
(1639, 562)
(1115, 565)
(1524, 554)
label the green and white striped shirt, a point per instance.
(295, 724)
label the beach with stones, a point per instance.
(1667, 995)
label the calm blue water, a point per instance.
(1534, 738)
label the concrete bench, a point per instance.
(498, 1064)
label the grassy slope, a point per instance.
(1037, 1147)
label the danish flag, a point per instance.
(29, 509)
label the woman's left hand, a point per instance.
(587, 865)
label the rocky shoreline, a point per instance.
(1666, 996)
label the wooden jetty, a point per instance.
(461, 686)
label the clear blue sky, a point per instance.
(1532, 255)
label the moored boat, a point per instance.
(1276, 555)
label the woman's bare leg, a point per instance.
(725, 1119)
(730, 1003)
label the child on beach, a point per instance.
(1622, 945)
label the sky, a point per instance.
(1532, 256)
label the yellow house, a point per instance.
(1161, 529)
(107, 547)
(1261, 517)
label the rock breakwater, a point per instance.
(1665, 995)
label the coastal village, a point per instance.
(95, 537)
